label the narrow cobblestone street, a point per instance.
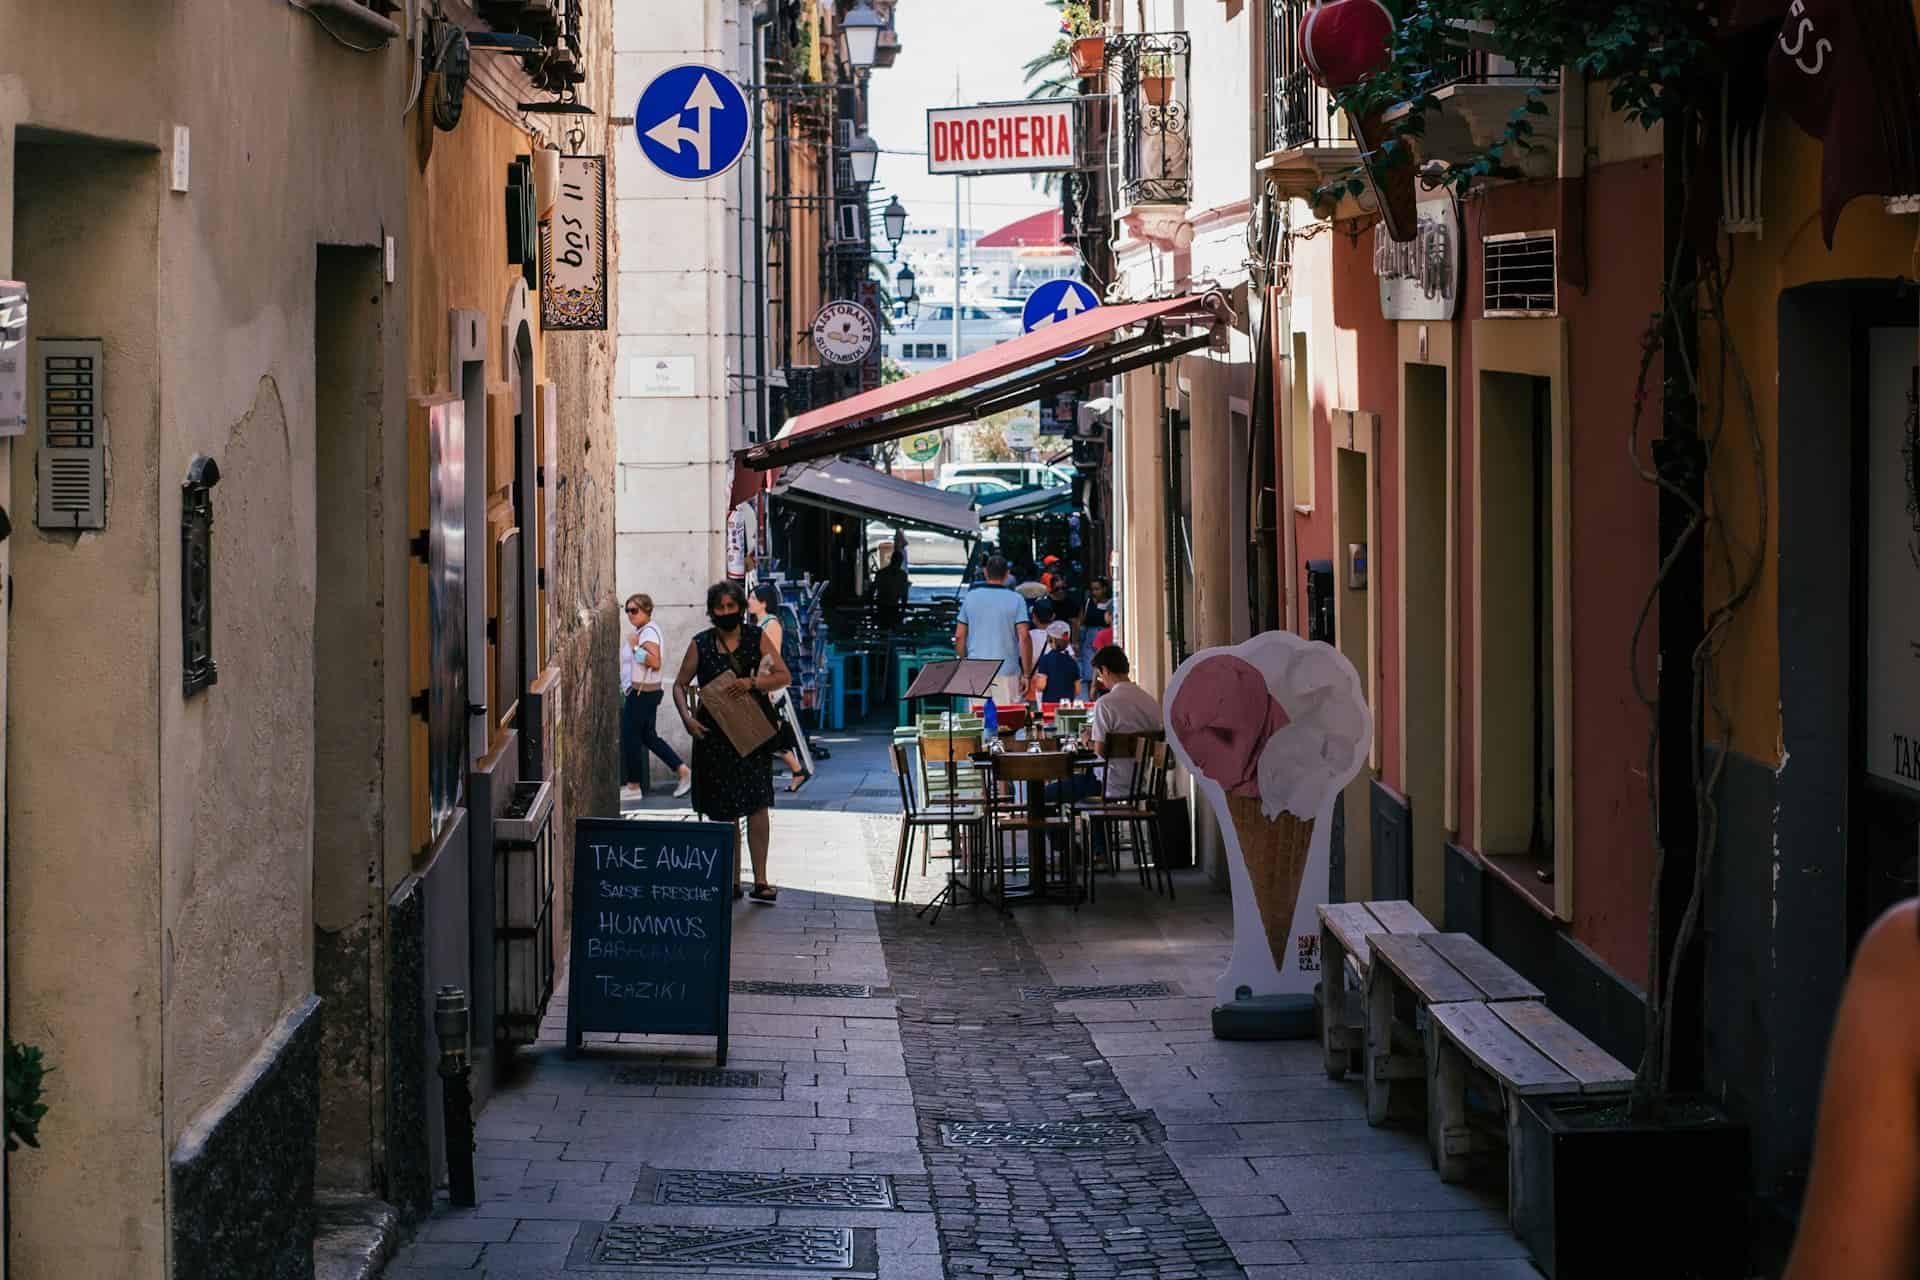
(1038, 1096)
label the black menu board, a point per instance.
(652, 928)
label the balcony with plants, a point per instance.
(1149, 73)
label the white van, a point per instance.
(1015, 475)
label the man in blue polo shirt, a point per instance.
(993, 624)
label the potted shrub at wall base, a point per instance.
(1599, 1193)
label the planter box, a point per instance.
(1157, 89)
(1594, 1195)
(1087, 55)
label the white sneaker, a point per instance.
(686, 784)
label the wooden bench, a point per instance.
(1527, 1050)
(1435, 968)
(1345, 928)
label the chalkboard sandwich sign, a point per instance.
(652, 928)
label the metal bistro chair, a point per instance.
(1136, 814)
(948, 777)
(963, 825)
(1007, 816)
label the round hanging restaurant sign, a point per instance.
(844, 332)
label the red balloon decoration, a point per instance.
(1345, 41)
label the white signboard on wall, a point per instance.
(1893, 560)
(1420, 278)
(661, 376)
(1001, 137)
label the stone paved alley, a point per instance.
(880, 1132)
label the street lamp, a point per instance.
(864, 157)
(895, 220)
(903, 289)
(860, 36)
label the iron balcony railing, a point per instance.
(1299, 112)
(1156, 119)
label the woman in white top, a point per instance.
(762, 605)
(640, 701)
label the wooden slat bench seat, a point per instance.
(1345, 928)
(1526, 1050)
(1435, 969)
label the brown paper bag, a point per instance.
(738, 714)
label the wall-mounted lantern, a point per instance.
(196, 575)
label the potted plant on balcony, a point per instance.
(1085, 38)
(1156, 77)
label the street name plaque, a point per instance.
(652, 926)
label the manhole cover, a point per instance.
(831, 990)
(1117, 991)
(789, 1190)
(776, 1248)
(1057, 1134)
(688, 1077)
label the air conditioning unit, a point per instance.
(1520, 275)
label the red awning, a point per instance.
(1019, 368)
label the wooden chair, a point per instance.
(1110, 815)
(962, 824)
(1007, 816)
(947, 776)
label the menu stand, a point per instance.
(951, 678)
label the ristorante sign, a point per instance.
(1001, 137)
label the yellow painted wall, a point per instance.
(1868, 243)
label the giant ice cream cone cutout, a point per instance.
(1271, 731)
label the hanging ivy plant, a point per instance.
(26, 1071)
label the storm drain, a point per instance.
(766, 1248)
(688, 1078)
(828, 990)
(1046, 1134)
(1118, 991)
(786, 1190)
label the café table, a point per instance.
(1034, 771)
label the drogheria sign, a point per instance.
(1001, 137)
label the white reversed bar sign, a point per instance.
(1001, 137)
(573, 248)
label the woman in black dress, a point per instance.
(726, 785)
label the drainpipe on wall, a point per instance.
(1573, 178)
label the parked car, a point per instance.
(1013, 474)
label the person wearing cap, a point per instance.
(1057, 673)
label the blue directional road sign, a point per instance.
(692, 122)
(1054, 301)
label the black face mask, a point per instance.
(726, 621)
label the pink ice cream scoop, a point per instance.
(1223, 716)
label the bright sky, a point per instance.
(984, 43)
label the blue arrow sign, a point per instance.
(1054, 301)
(692, 122)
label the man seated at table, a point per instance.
(1123, 707)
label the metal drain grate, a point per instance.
(787, 1190)
(830, 990)
(1051, 1134)
(688, 1077)
(775, 1248)
(1117, 991)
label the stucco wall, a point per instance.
(207, 298)
(84, 690)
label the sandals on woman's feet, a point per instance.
(799, 780)
(764, 893)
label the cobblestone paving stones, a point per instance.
(975, 1051)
